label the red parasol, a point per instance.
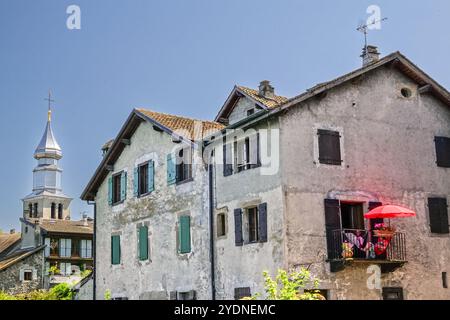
(389, 212)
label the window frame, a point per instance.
(252, 232)
(25, 273)
(116, 188)
(326, 159)
(86, 252)
(442, 160)
(143, 177)
(186, 168)
(221, 225)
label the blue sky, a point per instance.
(175, 56)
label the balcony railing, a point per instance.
(365, 245)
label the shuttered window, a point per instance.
(442, 151)
(262, 222)
(184, 231)
(438, 211)
(143, 243)
(329, 147)
(171, 169)
(227, 159)
(86, 249)
(115, 250)
(47, 247)
(184, 165)
(117, 188)
(239, 239)
(144, 179)
(65, 248)
(333, 223)
(241, 293)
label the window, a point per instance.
(329, 147)
(255, 225)
(406, 92)
(47, 243)
(190, 295)
(65, 268)
(65, 248)
(28, 275)
(250, 112)
(53, 211)
(143, 243)
(252, 215)
(115, 250)
(438, 211)
(221, 225)
(60, 211)
(35, 210)
(144, 179)
(184, 165)
(442, 151)
(184, 234)
(242, 154)
(30, 209)
(86, 249)
(352, 216)
(392, 293)
(241, 293)
(117, 188)
(246, 153)
(444, 280)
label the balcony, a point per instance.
(350, 246)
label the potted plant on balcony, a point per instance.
(383, 231)
(347, 250)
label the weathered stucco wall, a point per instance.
(243, 266)
(86, 292)
(166, 271)
(240, 110)
(389, 155)
(10, 281)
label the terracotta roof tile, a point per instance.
(192, 129)
(67, 226)
(268, 102)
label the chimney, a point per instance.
(266, 90)
(12, 231)
(85, 220)
(370, 55)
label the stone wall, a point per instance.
(10, 278)
(166, 270)
(389, 156)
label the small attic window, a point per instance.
(250, 112)
(406, 92)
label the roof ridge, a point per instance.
(268, 98)
(175, 116)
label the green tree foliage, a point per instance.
(60, 292)
(287, 286)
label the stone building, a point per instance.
(284, 183)
(49, 238)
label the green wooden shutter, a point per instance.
(239, 239)
(151, 176)
(110, 191)
(115, 250)
(171, 172)
(185, 234)
(136, 182)
(143, 243)
(123, 186)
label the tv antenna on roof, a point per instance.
(364, 28)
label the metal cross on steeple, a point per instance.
(50, 100)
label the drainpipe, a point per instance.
(211, 227)
(94, 251)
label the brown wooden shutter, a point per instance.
(438, 211)
(262, 222)
(227, 159)
(442, 151)
(373, 222)
(239, 240)
(332, 224)
(329, 147)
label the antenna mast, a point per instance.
(364, 28)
